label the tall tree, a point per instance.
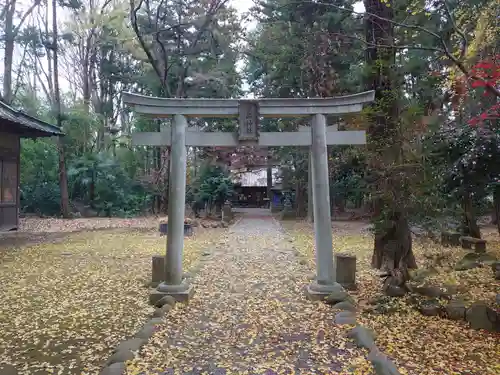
(393, 244)
(56, 105)
(11, 29)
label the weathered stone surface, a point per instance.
(133, 344)
(455, 310)
(430, 308)
(121, 356)
(381, 364)
(478, 243)
(496, 270)
(345, 305)
(227, 212)
(345, 317)
(382, 305)
(481, 316)
(420, 275)
(468, 262)
(7, 370)
(487, 258)
(155, 321)
(166, 300)
(495, 266)
(336, 296)
(146, 332)
(432, 291)
(345, 266)
(450, 238)
(362, 336)
(161, 311)
(157, 269)
(395, 291)
(118, 368)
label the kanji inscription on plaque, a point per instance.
(249, 120)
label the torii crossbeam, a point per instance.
(248, 112)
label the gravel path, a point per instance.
(249, 314)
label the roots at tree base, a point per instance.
(393, 253)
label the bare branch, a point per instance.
(133, 18)
(25, 16)
(463, 46)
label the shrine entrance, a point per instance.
(317, 137)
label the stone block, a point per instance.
(134, 344)
(180, 296)
(381, 364)
(157, 269)
(345, 317)
(162, 311)
(121, 356)
(481, 316)
(227, 212)
(7, 369)
(478, 243)
(165, 300)
(362, 337)
(450, 238)
(331, 294)
(345, 266)
(117, 368)
(345, 306)
(146, 331)
(455, 310)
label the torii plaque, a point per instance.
(248, 112)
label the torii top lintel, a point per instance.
(273, 107)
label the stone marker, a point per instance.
(157, 269)
(346, 270)
(227, 212)
(288, 213)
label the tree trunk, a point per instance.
(63, 179)
(496, 204)
(392, 252)
(470, 220)
(8, 60)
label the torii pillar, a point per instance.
(248, 112)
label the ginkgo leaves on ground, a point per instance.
(67, 304)
(419, 344)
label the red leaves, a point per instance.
(486, 74)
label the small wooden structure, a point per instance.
(15, 125)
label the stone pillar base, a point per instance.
(318, 292)
(181, 293)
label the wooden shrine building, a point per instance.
(15, 125)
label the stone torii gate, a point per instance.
(248, 111)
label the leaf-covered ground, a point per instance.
(66, 303)
(418, 344)
(249, 315)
